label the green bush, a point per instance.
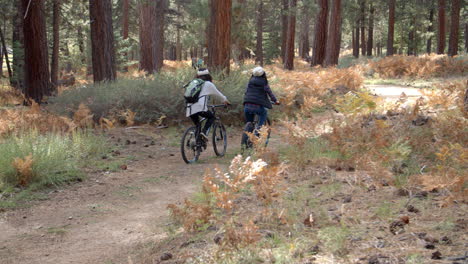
(56, 158)
(149, 98)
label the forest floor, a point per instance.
(113, 216)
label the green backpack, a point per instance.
(192, 90)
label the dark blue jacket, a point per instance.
(258, 91)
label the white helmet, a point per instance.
(258, 71)
(201, 72)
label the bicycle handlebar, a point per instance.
(218, 106)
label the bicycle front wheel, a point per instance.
(219, 139)
(189, 148)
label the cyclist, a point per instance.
(200, 108)
(258, 97)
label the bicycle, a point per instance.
(193, 144)
(252, 128)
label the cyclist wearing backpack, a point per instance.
(258, 97)
(197, 96)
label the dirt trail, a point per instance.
(103, 218)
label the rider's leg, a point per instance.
(249, 114)
(262, 116)
(210, 118)
(195, 119)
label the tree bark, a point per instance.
(411, 48)
(332, 52)
(102, 40)
(466, 37)
(320, 39)
(18, 47)
(430, 29)
(161, 7)
(454, 28)
(259, 46)
(304, 45)
(220, 41)
(284, 27)
(391, 27)
(363, 27)
(37, 82)
(370, 35)
(4, 53)
(441, 32)
(125, 25)
(356, 45)
(54, 67)
(291, 36)
(147, 17)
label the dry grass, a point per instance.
(26, 118)
(425, 66)
(311, 89)
(10, 96)
(24, 170)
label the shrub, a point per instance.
(425, 66)
(308, 90)
(37, 160)
(149, 98)
(22, 119)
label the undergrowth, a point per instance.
(149, 97)
(33, 161)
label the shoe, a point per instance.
(204, 137)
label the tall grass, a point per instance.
(56, 158)
(150, 97)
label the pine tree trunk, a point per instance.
(291, 36)
(125, 25)
(54, 67)
(81, 44)
(370, 35)
(1, 56)
(284, 27)
(161, 8)
(430, 29)
(304, 45)
(259, 46)
(147, 34)
(356, 41)
(320, 39)
(391, 27)
(102, 40)
(454, 28)
(332, 52)
(4, 52)
(411, 50)
(466, 37)
(441, 32)
(178, 43)
(18, 48)
(219, 42)
(37, 81)
(363, 28)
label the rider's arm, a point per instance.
(270, 94)
(211, 90)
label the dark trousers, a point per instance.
(251, 111)
(210, 118)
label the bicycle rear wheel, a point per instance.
(268, 123)
(245, 140)
(219, 139)
(189, 148)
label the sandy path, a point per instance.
(103, 218)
